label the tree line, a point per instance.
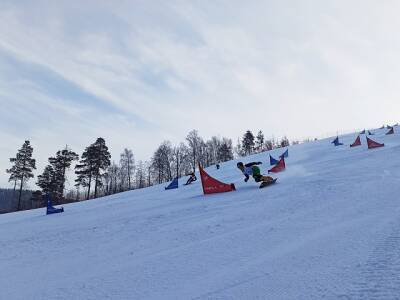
(97, 175)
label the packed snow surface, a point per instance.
(329, 229)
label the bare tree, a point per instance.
(284, 142)
(194, 142)
(128, 165)
(161, 162)
(113, 171)
(260, 141)
(140, 175)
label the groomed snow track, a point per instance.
(329, 229)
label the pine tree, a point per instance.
(260, 141)
(84, 170)
(53, 178)
(248, 142)
(94, 161)
(61, 163)
(47, 180)
(225, 151)
(12, 177)
(22, 169)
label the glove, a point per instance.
(260, 162)
(246, 179)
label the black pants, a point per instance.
(257, 178)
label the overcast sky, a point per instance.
(140, 72)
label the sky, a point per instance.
(140, 72)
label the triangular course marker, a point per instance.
(173, 184)
(336, 142)
(391, 131)
(51, 209)
(285, 154)
(279, 167)
(272, 161)
(357, 142)
(212, 185)
(372, 144)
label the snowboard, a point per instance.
(265, 184)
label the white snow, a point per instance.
(330, 228)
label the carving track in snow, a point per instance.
(380, 275)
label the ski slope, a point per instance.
(329, 229)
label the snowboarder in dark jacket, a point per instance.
(192, 177)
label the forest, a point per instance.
(97, 174)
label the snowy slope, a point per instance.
(329, 229)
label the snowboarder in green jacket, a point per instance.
(252, 169)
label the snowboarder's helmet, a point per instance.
(239, 164)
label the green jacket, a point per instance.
(252, 169)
